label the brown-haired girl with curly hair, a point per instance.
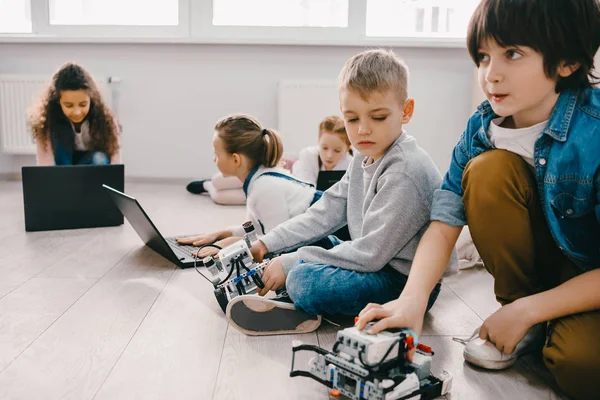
(70, 122)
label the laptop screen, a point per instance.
(327, 179)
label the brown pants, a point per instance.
(509, 230)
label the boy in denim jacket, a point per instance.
(525, 178)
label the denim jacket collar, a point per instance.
(559, 122)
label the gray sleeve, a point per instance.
(397, 213)
(323, 218)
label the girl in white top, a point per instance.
(247, 151)
(332, 153)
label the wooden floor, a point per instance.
(93, 314)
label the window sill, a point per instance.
(365, 42)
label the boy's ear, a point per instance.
(409, 109)
(565, 69)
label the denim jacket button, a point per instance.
(570, 211)
(542, 161)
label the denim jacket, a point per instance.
(567, 168)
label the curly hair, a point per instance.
(46, 113)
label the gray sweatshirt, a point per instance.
(386, 205)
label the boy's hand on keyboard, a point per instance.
(211, 251)
(273, 276)
(199, 240)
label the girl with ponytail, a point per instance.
(246, 150)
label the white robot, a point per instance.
(234, 271)
(374, 367)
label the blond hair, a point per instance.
(243, 134)
(375, 71)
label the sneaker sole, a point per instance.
(256, 316)
(490, 365)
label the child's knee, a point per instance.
(490, 171)
(299, 286)
(296, 280)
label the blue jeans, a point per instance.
(326, 289)
(62, 156)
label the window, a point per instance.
(419, 18)
(15, 16)
(365, 23)
(114, 12)
(281, 13)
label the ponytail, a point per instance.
(243, 134)
(273, 148)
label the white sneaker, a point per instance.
(484, 353)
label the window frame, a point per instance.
(40, 18)
(195, 26)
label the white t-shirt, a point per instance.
(273, 200)
(82, 138)
(519, 141)
(307, 167)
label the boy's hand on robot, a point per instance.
(273, 276)
(258, 251)
(393, 314)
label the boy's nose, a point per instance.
(493, 73)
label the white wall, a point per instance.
(171, 95)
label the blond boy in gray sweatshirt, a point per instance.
(385, 199)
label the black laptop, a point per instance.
(70, 197)
(327, 179)
(180, 255)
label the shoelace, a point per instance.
(331, 322)
(465, 341)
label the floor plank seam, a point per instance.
(49, 326)
(34, 276)
(220, 361)
(464, 302)
(133, 335)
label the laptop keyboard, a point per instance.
(186, 249)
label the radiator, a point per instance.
(301, 106)
(17, 93)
